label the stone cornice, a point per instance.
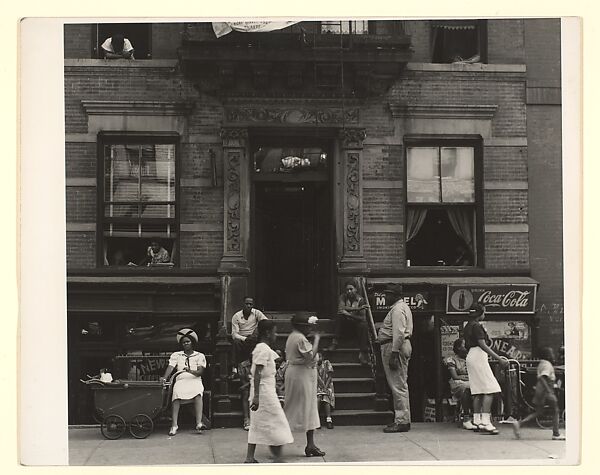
(444, 111)
(155, 108)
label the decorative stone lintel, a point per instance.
(352, 138)
(292, 116)
(156, 108)
(351, 266)
(444, 111)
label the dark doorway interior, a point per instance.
(293, 241)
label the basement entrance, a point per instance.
(292, 229)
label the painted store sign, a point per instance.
(508, 298)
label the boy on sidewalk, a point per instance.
(544, 394)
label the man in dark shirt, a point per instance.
(352, 311)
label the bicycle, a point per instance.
(524, 374)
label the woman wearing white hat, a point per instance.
(188, 386)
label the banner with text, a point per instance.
(223, 28)
(508, 298)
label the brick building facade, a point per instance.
(420, 177)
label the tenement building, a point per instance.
(417, 159)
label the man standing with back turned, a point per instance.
(394, 338)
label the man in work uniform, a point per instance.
(394, 338)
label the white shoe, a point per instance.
(468, 425)
(488, 429)
(173, 430)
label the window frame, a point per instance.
(350, 32)
(439, 141)
(134, 138)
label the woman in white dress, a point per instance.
(268, 424)
(188, 386)
(482, 382)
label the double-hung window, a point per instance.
(441, 225)
(345, 27)
(138, 211)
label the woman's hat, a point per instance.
(187, 332)
(304, 318)
(476, 310)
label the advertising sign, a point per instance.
(508, 298)
(510, 338)
(448, 335)
(382, 297)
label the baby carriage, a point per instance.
(132, 405)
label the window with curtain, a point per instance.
(139, 224)
(138, 34)
(458, 41)
(441, 206)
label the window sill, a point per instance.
(121, 63)
(467, 67)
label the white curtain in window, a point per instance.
(415, 217)
(460, 219)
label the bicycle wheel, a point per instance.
(113, 426)
(545, 421)
(141, 426)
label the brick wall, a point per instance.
(383, 205)
(384, 251)
(81, 250)
(506, 251)
(505, 206)
(78, 40)
(505, 42)
(383, 162)
(201, 249)
(505, 163)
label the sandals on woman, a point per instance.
(313, 452)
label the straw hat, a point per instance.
(187, 332)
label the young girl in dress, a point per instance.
(268, 424)
(544, 394)
(325, 393)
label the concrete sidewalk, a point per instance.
(426, 442)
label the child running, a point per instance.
(325, 393)
(268, 424)
(544, 394)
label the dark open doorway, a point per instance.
(293, 241)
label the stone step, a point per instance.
(367, 417)
(284, 325)
(355, 401)
(353, 385)
(343, 355)
(351, 370)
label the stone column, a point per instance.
(351, 145)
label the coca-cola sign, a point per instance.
(509, 298)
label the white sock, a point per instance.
(477, 418)
(485, 418)
(329, 419)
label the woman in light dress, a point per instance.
(482, 382)
(268, 425)
(188, 387)
(301, 405)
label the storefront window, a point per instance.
(345, 27)
(441, 206)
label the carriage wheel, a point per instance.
(141, 426)
(113, 426)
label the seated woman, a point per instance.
(188, 387)
(459, 381)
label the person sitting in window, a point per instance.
(156, 254)
(117, 47)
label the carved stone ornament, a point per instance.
(314, 116)
(352, 232)
(232, 183)
(352, 137)
(234, 137)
